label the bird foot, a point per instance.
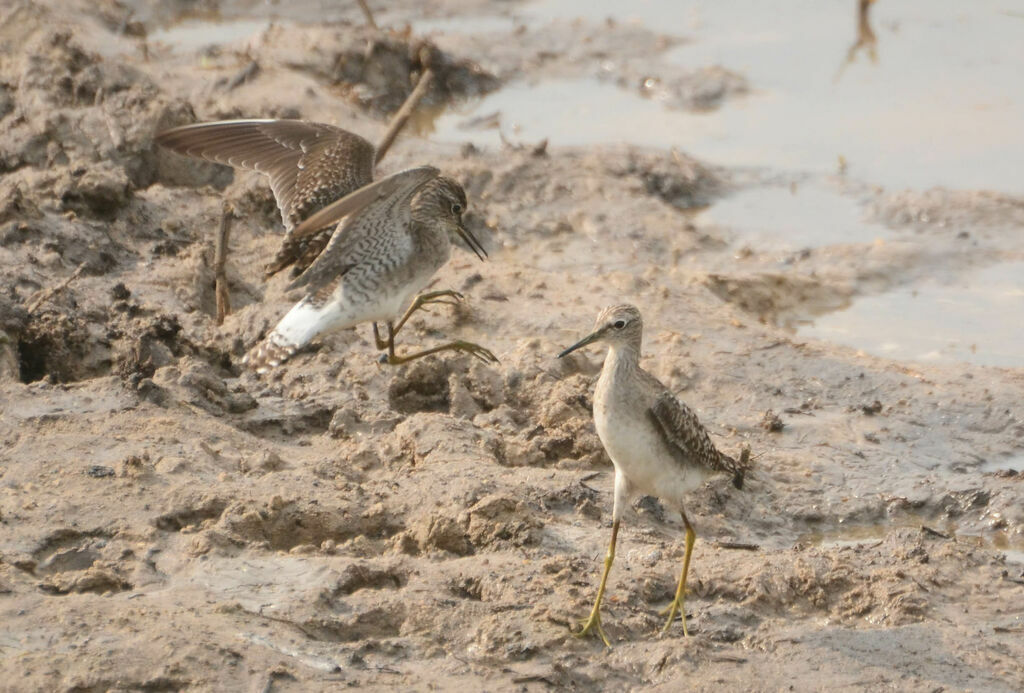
(592, 624)
(444, 296)
(475, 350)
(676, 607)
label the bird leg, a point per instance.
(393, 359)
(470, 348)
(677, 604)
(444, 296)
(382, 344)
(594, 621)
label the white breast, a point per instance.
(640, 453)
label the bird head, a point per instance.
(616, 325)
(443, 201)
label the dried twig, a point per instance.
(47, 294)
(243, 76)
(398, 122)
(220, 258)
(738, 545)
(368, 14)
(925, 529)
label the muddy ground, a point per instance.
(169, 521)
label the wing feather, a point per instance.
(684, 431)
(309, 164)
(370, 213)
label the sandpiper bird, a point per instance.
(394, 234)
(656, 443)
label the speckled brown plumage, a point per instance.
(310, 165)
(684, 431)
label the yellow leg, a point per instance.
(594, 621)
(444, 296)
(678, 604)
(381, 343)
(393, 359)
(470, 348)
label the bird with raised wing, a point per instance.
(655, 442)
(393, 235)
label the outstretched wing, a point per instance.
(309, 164)
(375, 217)
(684, 431)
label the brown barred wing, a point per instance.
(309, 165)
(379, 216)
(684, 431)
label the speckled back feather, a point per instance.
(685, 432)
(369, 232)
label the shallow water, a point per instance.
(194, 33)
(1013, 463)
(975, 318)
(941, 104)
(786, 218)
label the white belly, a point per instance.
(641, 454)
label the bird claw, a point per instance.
(671, 611)
(592, 624)
(446, 296)
(482, 353)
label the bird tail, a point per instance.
(738, 468)
(300, 253)
(270, 353)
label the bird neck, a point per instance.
(622, 357)
(429, 236)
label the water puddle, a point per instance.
(860, 535)
(570, 112)
(481, 24)
(1014, 463)
(195, 33)
(973, 319)
(922, 93)
(808, 215)
(850, 536)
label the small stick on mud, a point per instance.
(47, 294)
(243, 76)
(398, 122)
(220, 259)
(738, 545)
(368, 14)
(925, 529)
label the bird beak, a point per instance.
(592, 337)
(471, 241)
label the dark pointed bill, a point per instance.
(472, 242)
(592, 337)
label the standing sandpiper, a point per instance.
(656, 443)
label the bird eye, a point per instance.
(619, 324)
(456, 208)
